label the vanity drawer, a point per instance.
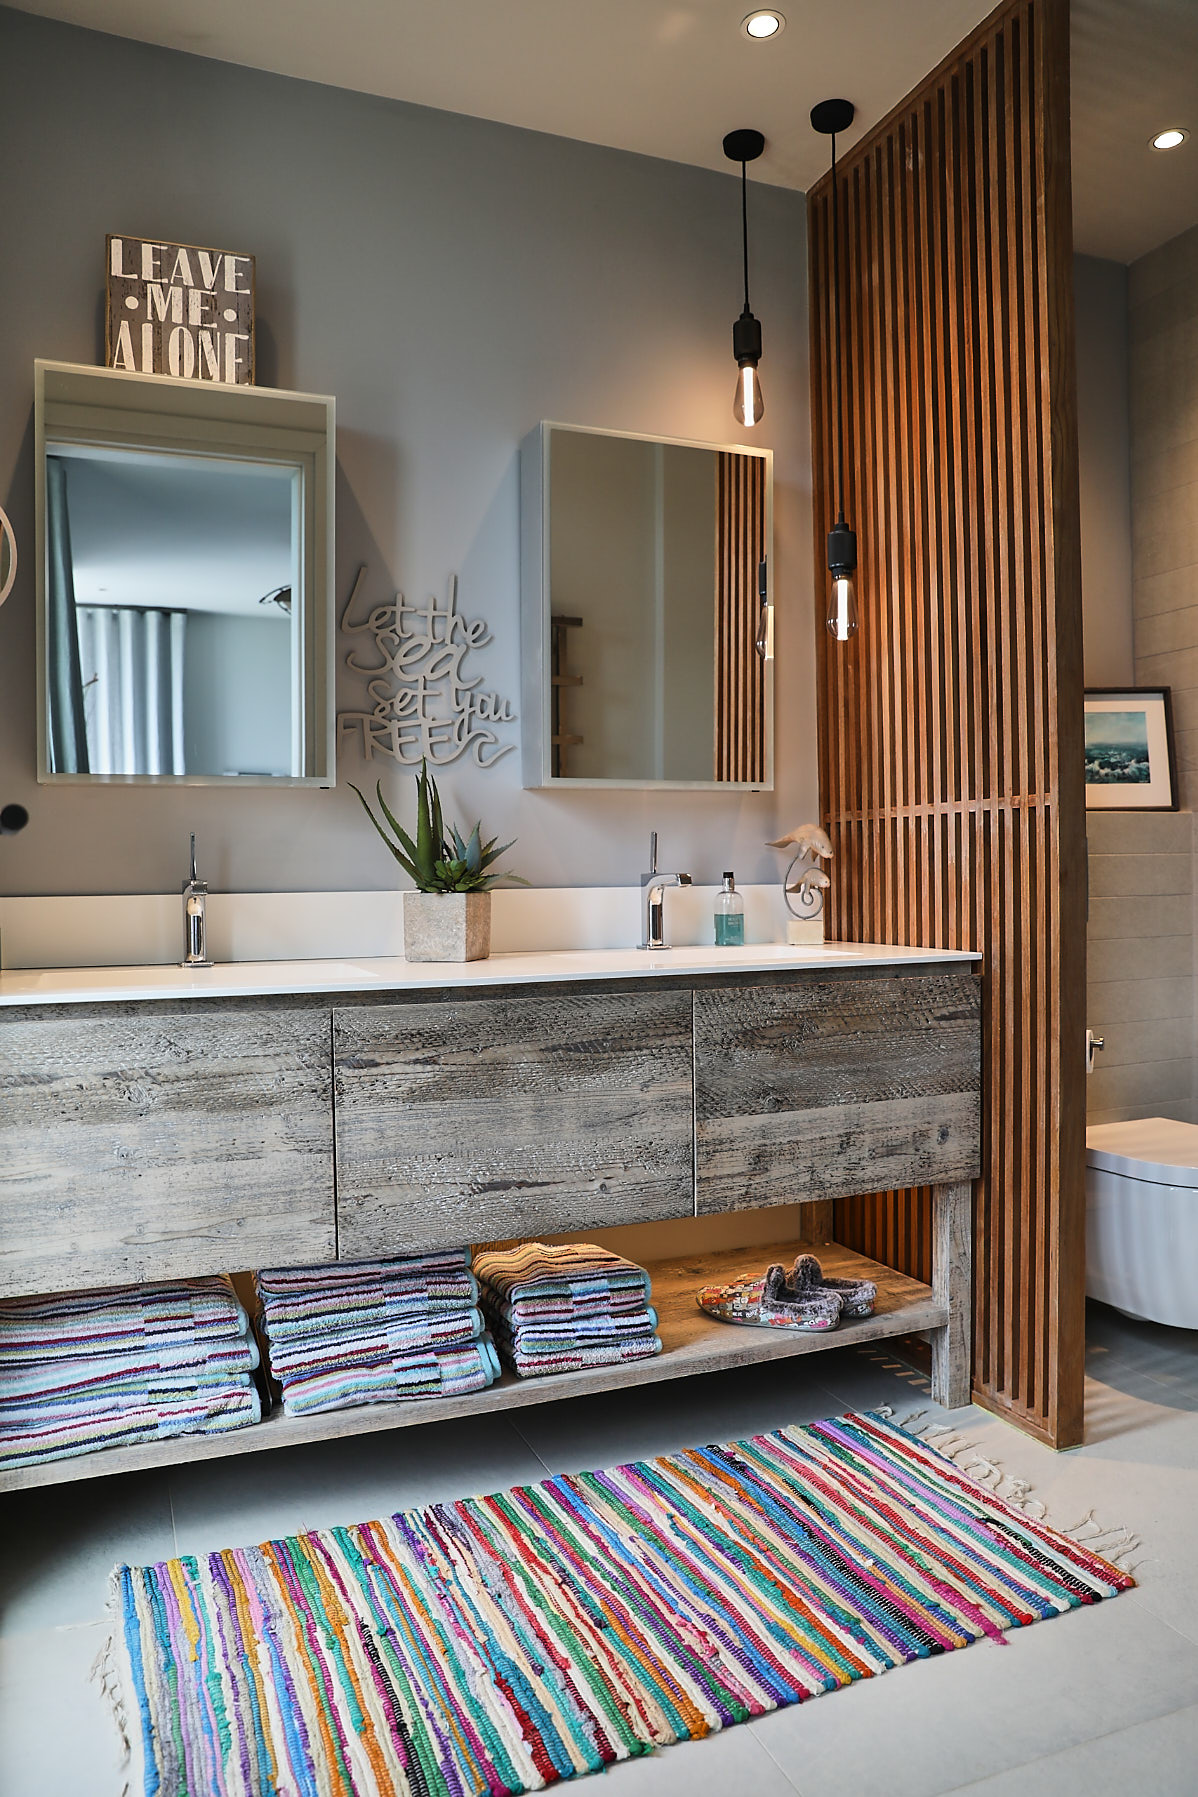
(468, 1120)
(140, 1144)
(832, 1087)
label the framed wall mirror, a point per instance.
(185, 551)
(647, 615)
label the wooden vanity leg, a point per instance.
(817, 1223)
(952, 1284)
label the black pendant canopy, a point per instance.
(748, 405)
(830, 118)
(743, 146)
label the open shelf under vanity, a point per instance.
(692, 1343)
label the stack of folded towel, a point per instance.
(560, 1309)
(370, 1332)
(98, 1369)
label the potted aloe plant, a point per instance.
(448, 917)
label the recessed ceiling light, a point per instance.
(1169, 140)
(762, 24)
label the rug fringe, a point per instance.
(1115, 1544)
(105, 1675)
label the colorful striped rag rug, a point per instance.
(501, 1643)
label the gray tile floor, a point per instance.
(1094, 1702)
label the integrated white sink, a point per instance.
(247, 979)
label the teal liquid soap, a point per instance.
(729, 915)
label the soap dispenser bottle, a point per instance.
(195, 918)
(729, 915)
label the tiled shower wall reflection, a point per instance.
(1140, 964)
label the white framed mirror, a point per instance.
(647, 611)
(185, 554)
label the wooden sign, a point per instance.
(176, 309)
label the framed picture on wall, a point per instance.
(1129, 749)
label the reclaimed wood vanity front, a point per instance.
(150, 1137)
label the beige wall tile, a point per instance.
(1147, 1085)
(1168, 957)
(1184, 1113)
(1133, 1044)
(1174, 263)
(1131, 876)
(1171, 591)
(1140, 832)
(1177, 669)
(1164, 470)
(1140, 919)
(1165, 632)
(1134, 1000)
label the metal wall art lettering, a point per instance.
(176, 309)
(425, 705)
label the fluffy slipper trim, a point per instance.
(805, 1274)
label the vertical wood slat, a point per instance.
(950, 740)
(739, 680)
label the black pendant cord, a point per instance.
(744, 223)
(836, 340)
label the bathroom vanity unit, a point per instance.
(160, 1122)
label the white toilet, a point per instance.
(1142, 1218)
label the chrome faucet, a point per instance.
(195, 918)
(653, 885)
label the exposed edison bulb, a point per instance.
(842, 608)
(748, 406)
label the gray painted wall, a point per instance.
(1163, 296)
(1142, 877)
(1140, 964)
(452, 282)
(1100, 295)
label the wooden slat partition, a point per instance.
(739, 679)
(950, 739)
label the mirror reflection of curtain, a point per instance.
(740, 675)
(67, 733)
(132, 664)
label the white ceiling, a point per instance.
(664, 77)
(1135, 71)
(669, 77)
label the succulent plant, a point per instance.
(435, 861)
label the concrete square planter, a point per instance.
(446, 926)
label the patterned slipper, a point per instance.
(857, 1296)
(770, 1303)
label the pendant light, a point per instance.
(747, 404)
(829, 117)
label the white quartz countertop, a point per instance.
(250, 979)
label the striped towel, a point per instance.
(294, 1356)
(167, 1323)
(565, 1307)
(95, 1380)
(371, 1332)
(573, 1356)
(370, 1308)
(578, 1332)
(579, 1273)
(30, 1432)
(412, 1269)
(435, 1373)
(561, 1309)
